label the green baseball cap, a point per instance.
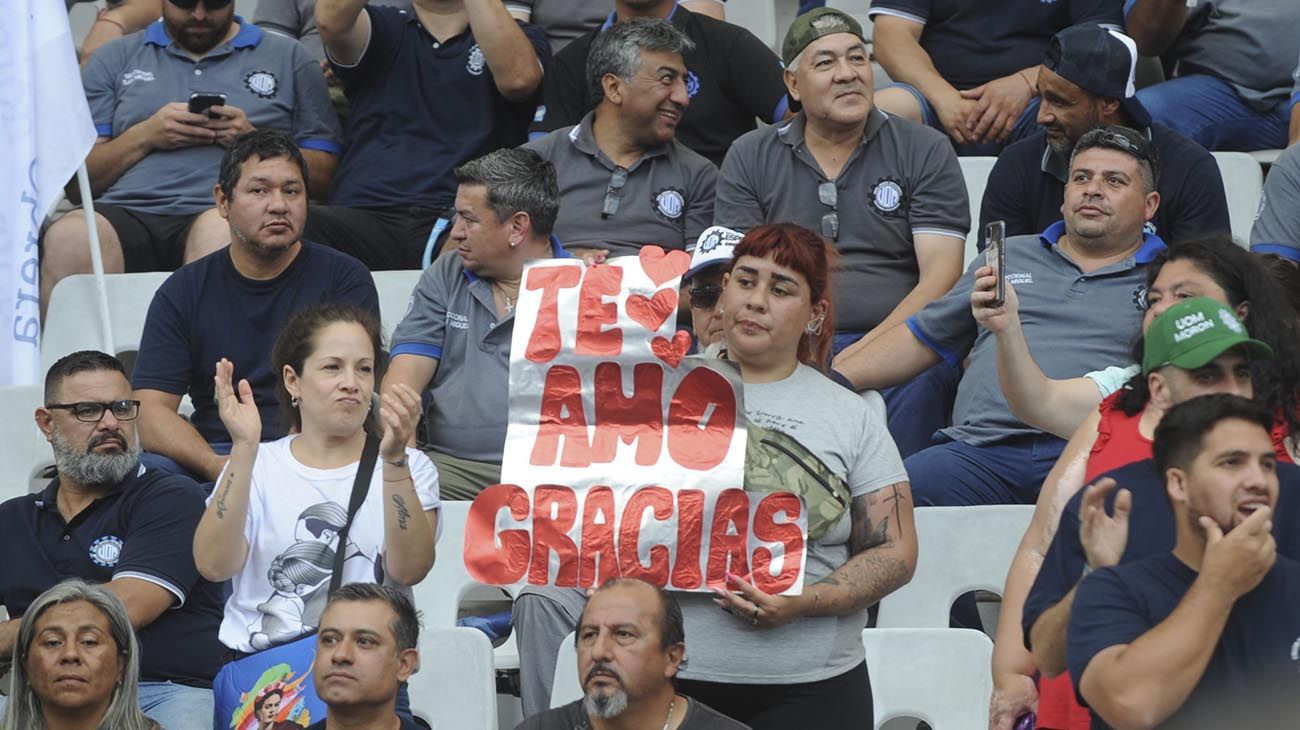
(1193, 332)
(813, 25)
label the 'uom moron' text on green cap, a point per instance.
(815, 24)
(1193, 332)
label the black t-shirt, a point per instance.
(1027, 186)
(732, 79)
(407, 724)
(699, 716)
(1252, 679)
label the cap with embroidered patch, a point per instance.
(1193, 332)
(815, 24)
(714, 246)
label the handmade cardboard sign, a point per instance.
(624, 457)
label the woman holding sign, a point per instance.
(286, 515)
(783, 661)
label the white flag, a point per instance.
(45, 133)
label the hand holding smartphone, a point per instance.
(995, 257)
(201, 102)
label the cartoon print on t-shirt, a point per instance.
(300, 576)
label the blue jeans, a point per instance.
(1026, 125)
(166, 463)
(953, 473)
(1209, 111)
(177, 707)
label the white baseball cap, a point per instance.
(714, 246)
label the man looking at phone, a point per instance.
(155, 162)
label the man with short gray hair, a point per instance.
(625, 180)
(454, 342)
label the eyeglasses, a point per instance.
(705, 297)
(92, 412)
(614, 193)
(827, 193)
(209, 4)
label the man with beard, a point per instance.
(1086, 81)
(107, 519)
(152, 166)
(233, 304)
(631, 643)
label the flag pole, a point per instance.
(96, 259)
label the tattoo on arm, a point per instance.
(864, 535)
(403, 514)
(221, 498)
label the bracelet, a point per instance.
(1032, 90)
(103, 18)
(406, 478)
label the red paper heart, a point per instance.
(650, 312)
(672, 351)
(661, 265)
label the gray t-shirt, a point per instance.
(1251, 44)
(563, 20)
(1074, 323)
(1278, 219)
(297, 19)
(847, 432)
(270, 77)
(699, 716)
(667, 199)
(902, 180)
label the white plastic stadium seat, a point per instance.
(758, 17)
(940, 676)
(961, 549)
(455, 688)
(23, 449)
(1243, 180)
(73, 321)
(394, 289)
(976, 172)
(566, 686)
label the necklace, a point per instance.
(668, 721)
(510, 301)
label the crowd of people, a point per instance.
(1129, 368)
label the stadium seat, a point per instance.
(23, 450)
(1243, 180)
(962, 549)
(758, 16)
(394, 289)
(73, 322)
(566, 687)
(940, 676)
(976, 172)
(455, 688)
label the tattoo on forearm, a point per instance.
(221, 498)
(403, 514)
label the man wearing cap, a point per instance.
(1196, 347)
(887, 193)
(1086, 81)
(1278, 219)
(454, 342)
(624, 178)
(709, 261)
(1231, 85)
(155, 162)
(732, 78)
(1080, 286)
(971, 70)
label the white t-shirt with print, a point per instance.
(294, 515)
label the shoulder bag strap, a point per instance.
(365, 471)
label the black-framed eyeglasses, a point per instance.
(614, 193)
(93, 412)
(209, 4)
(705, 297)
(828, 195)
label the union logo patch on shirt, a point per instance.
(889, 198)
(670, 203)
(105, 551)
(476, 61)
(261, 83)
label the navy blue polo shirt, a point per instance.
(419, 109)
(1150, 531)
(1027, 187)
(142, 530)
(1253, 677)
(972, 42)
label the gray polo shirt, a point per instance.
(270, 77)
(1074, 323)
(563, 20)
(903, 179)
(1251, 44)
(667, 199)
(452, 318)
(297, 19)
(1278, 220)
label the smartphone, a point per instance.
(201, 102)
(1025, 721)
(995, 256)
